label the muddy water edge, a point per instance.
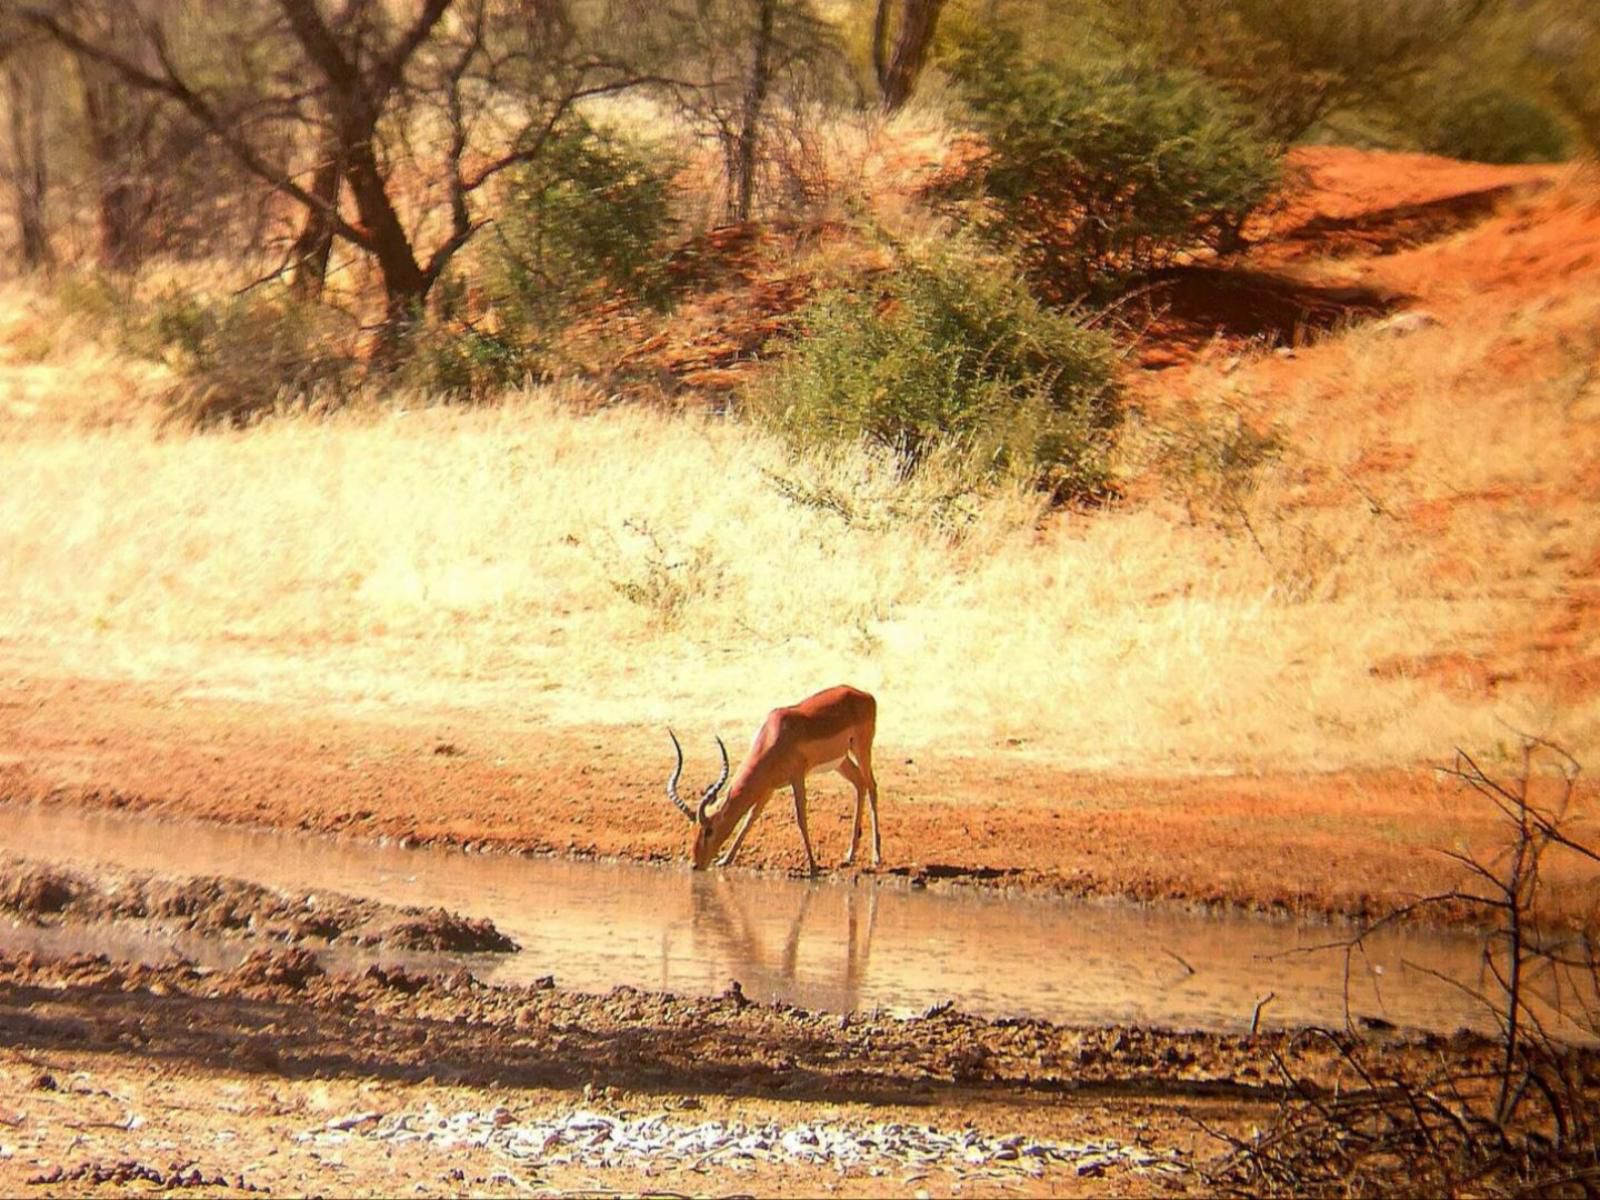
(852, 943)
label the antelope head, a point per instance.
(705, 845)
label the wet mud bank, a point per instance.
(55, 895)
(280, 1012)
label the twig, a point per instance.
(1255, 1017)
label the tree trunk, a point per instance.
(356, 100)
(314, 244)
(405, 283)
(755, 101)
(105, 110)
(899, 69)
(29, 163)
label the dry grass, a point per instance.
(630, 567)
(1435, 498)
(57, 369)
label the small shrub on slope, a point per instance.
(591, 213)
(1493, 126)
(243, 357)
(585, 221)
(1095, 174)
(954, 353)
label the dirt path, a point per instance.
(1351, 843)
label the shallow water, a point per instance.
(833, 944)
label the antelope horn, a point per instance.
(711, 792)
(677, 772)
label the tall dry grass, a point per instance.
(635, 567)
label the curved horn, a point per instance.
(677, 772)
(711, 792)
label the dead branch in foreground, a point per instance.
(1519, 1119)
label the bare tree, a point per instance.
(899, 66)
(757, 84)
(743, 72)
(357, 85)
(115, 123)
(313, 245)
(1518, 1116)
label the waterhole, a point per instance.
(833, 944)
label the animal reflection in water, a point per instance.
(835, 926)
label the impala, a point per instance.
(829, 731)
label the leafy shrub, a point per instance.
(954, 352)
(585, 220)
(102, 298)
(589, 214)
(243, 357)
(1214, 461)
(1097, 173)
(1492, 125)
(452, 356)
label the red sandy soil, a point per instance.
(1367, 234)
(1350, 844)
(740, 284)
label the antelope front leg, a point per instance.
(853, 776)
(726, 858)
(800, 820)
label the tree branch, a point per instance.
(173, 86)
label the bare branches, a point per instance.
(1524, 1123)
(361, 93)
(386, 75)
(225, 127)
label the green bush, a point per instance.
(585, 221)
(450, 355)
(590, 215)
(104, 299)
(1098, 173)
(1491, 125)
(953, 352)
(245, 356)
